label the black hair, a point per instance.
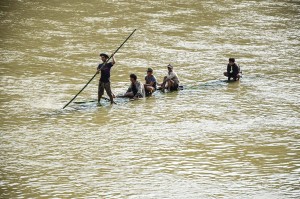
(133, 76)
(104, 55)
(231, 60)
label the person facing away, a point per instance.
(150, 82)
(171, 81)
(136, 89)
(104, 82)
(233, 70)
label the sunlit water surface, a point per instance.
(211, 140)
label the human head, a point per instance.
(231, 61)
(104, 57)
(150, 71)
(170, 67)
(133, 78)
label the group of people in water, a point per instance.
(138, 90)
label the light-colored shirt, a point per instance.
(138, 90)
(173, 76)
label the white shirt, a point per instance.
(173, 76)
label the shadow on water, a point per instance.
(211, 140)
(87, 105)
(220, 83)
(212, 84)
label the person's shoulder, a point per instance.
(99, 65)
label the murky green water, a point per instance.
(211, 140)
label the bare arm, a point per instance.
(170, 76)
(228, 68)
(113, 59)
(151, 84)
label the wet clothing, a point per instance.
(103, 86)
(105, 72)
(174, 87)
(233, 71)
(137, 89)
(150, 79)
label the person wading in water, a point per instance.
(233, 70)
(104, 82)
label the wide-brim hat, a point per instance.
(104, 55)
(149, 70)
(170, 66)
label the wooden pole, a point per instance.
(96, 72)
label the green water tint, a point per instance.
(211, 140)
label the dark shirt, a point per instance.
(234, 69)
(134, 89)
(105, 72)
(151, 79)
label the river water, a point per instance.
(211, 140)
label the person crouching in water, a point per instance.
(233, 70)
(150, 82)
(104, 82)
(171, 81)
(136, 89)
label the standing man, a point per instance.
(171, 81)
(136, 89)
(104, 82)
(150, 82)
(233, 70)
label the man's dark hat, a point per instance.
(104, 55)
(170, 66)
(150, 70)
